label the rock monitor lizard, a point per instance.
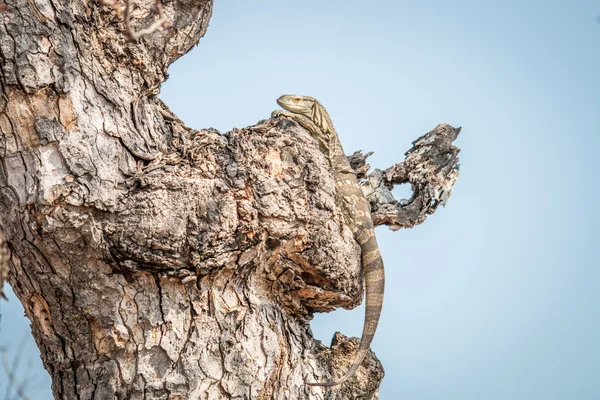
(311, 115)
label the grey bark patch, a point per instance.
(49, 130)
(157, 360)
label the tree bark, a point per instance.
(159, 262)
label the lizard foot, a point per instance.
(279, 113)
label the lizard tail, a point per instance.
(374, 287)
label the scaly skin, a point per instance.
(311, 115)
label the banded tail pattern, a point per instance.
(374, 287)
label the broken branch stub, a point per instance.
(431, 167)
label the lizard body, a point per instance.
(311, 115)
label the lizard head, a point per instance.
(313, 110)
(297, 104)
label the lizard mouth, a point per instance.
(284, 101)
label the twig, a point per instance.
(11, 371)
(131, 33)
(26, 380)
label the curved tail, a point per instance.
(374, 288)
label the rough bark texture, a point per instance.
(159, 262)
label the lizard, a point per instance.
(312, 116)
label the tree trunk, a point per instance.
(160, 262)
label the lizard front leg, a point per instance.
(307, 124)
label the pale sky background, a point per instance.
(496, 296)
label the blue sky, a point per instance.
(495, 296)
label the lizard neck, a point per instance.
(335, 152)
